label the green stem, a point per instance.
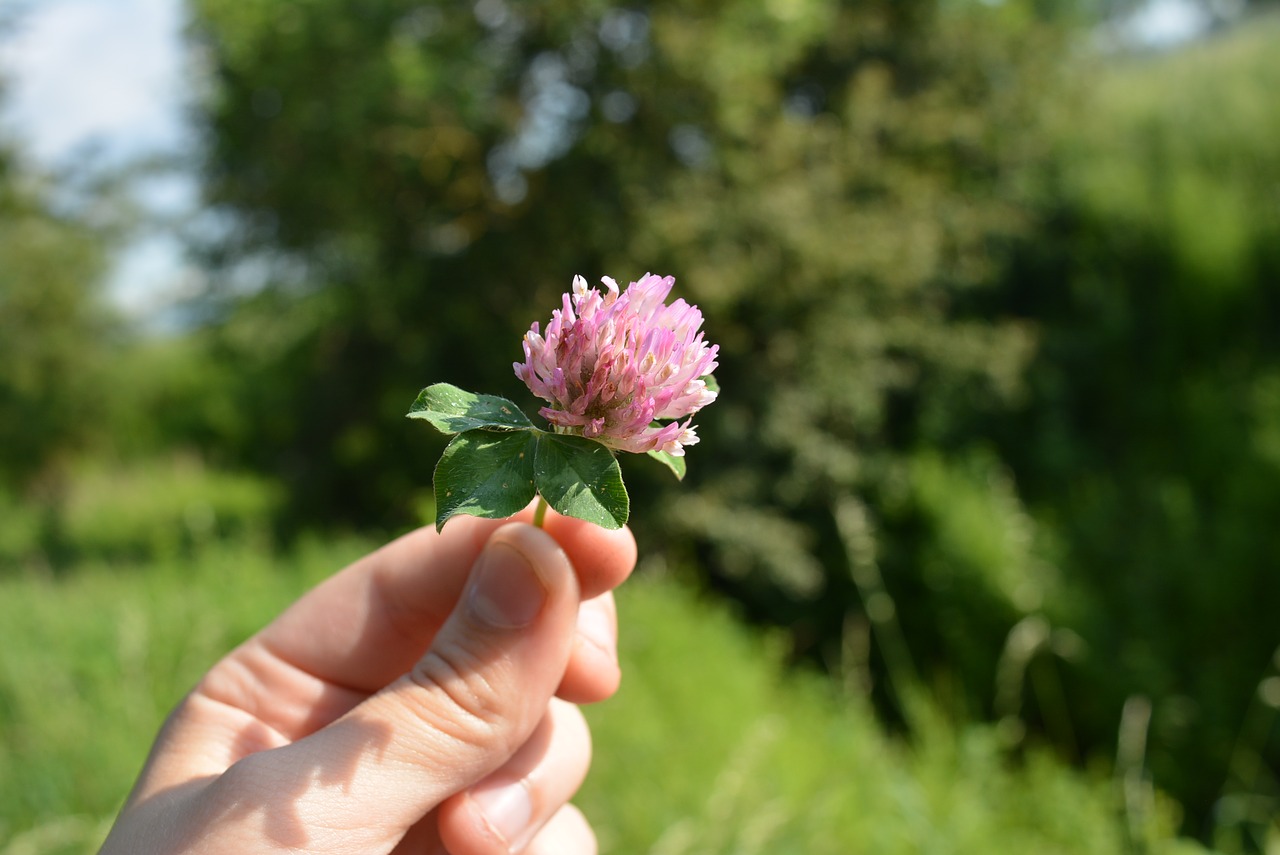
(540, 512)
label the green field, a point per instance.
(708, 747)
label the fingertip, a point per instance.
(590, 678)
(593, 674)
(568, 833)
(604, 558)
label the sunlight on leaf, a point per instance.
(453, 410)
(675, 464)
(485, 474)
(581, 478)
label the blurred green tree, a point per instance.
(54, 326)
(1149, 445)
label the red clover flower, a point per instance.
(611, 364)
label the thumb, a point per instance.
(460, 713)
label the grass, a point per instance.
(709, 747)
(93, 659)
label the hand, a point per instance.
(421, 701)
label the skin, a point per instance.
(421, 701)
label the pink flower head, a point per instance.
(613, 363)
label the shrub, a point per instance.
(159, 508)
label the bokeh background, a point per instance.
(978, 553)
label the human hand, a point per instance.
(420, 701)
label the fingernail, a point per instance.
(507, 809)
(506, 591)
(596, 627)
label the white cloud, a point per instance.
(1161, 23)
(108, 73)
(102, 71)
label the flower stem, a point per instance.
(540, 512)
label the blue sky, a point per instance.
(106, 76)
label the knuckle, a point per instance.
(246, 782)
(459, 698)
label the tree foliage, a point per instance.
(53, 327)
(1147, 445)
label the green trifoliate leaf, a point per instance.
(675, 464)
(485, 473)
(581, 478)
(453, 410)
